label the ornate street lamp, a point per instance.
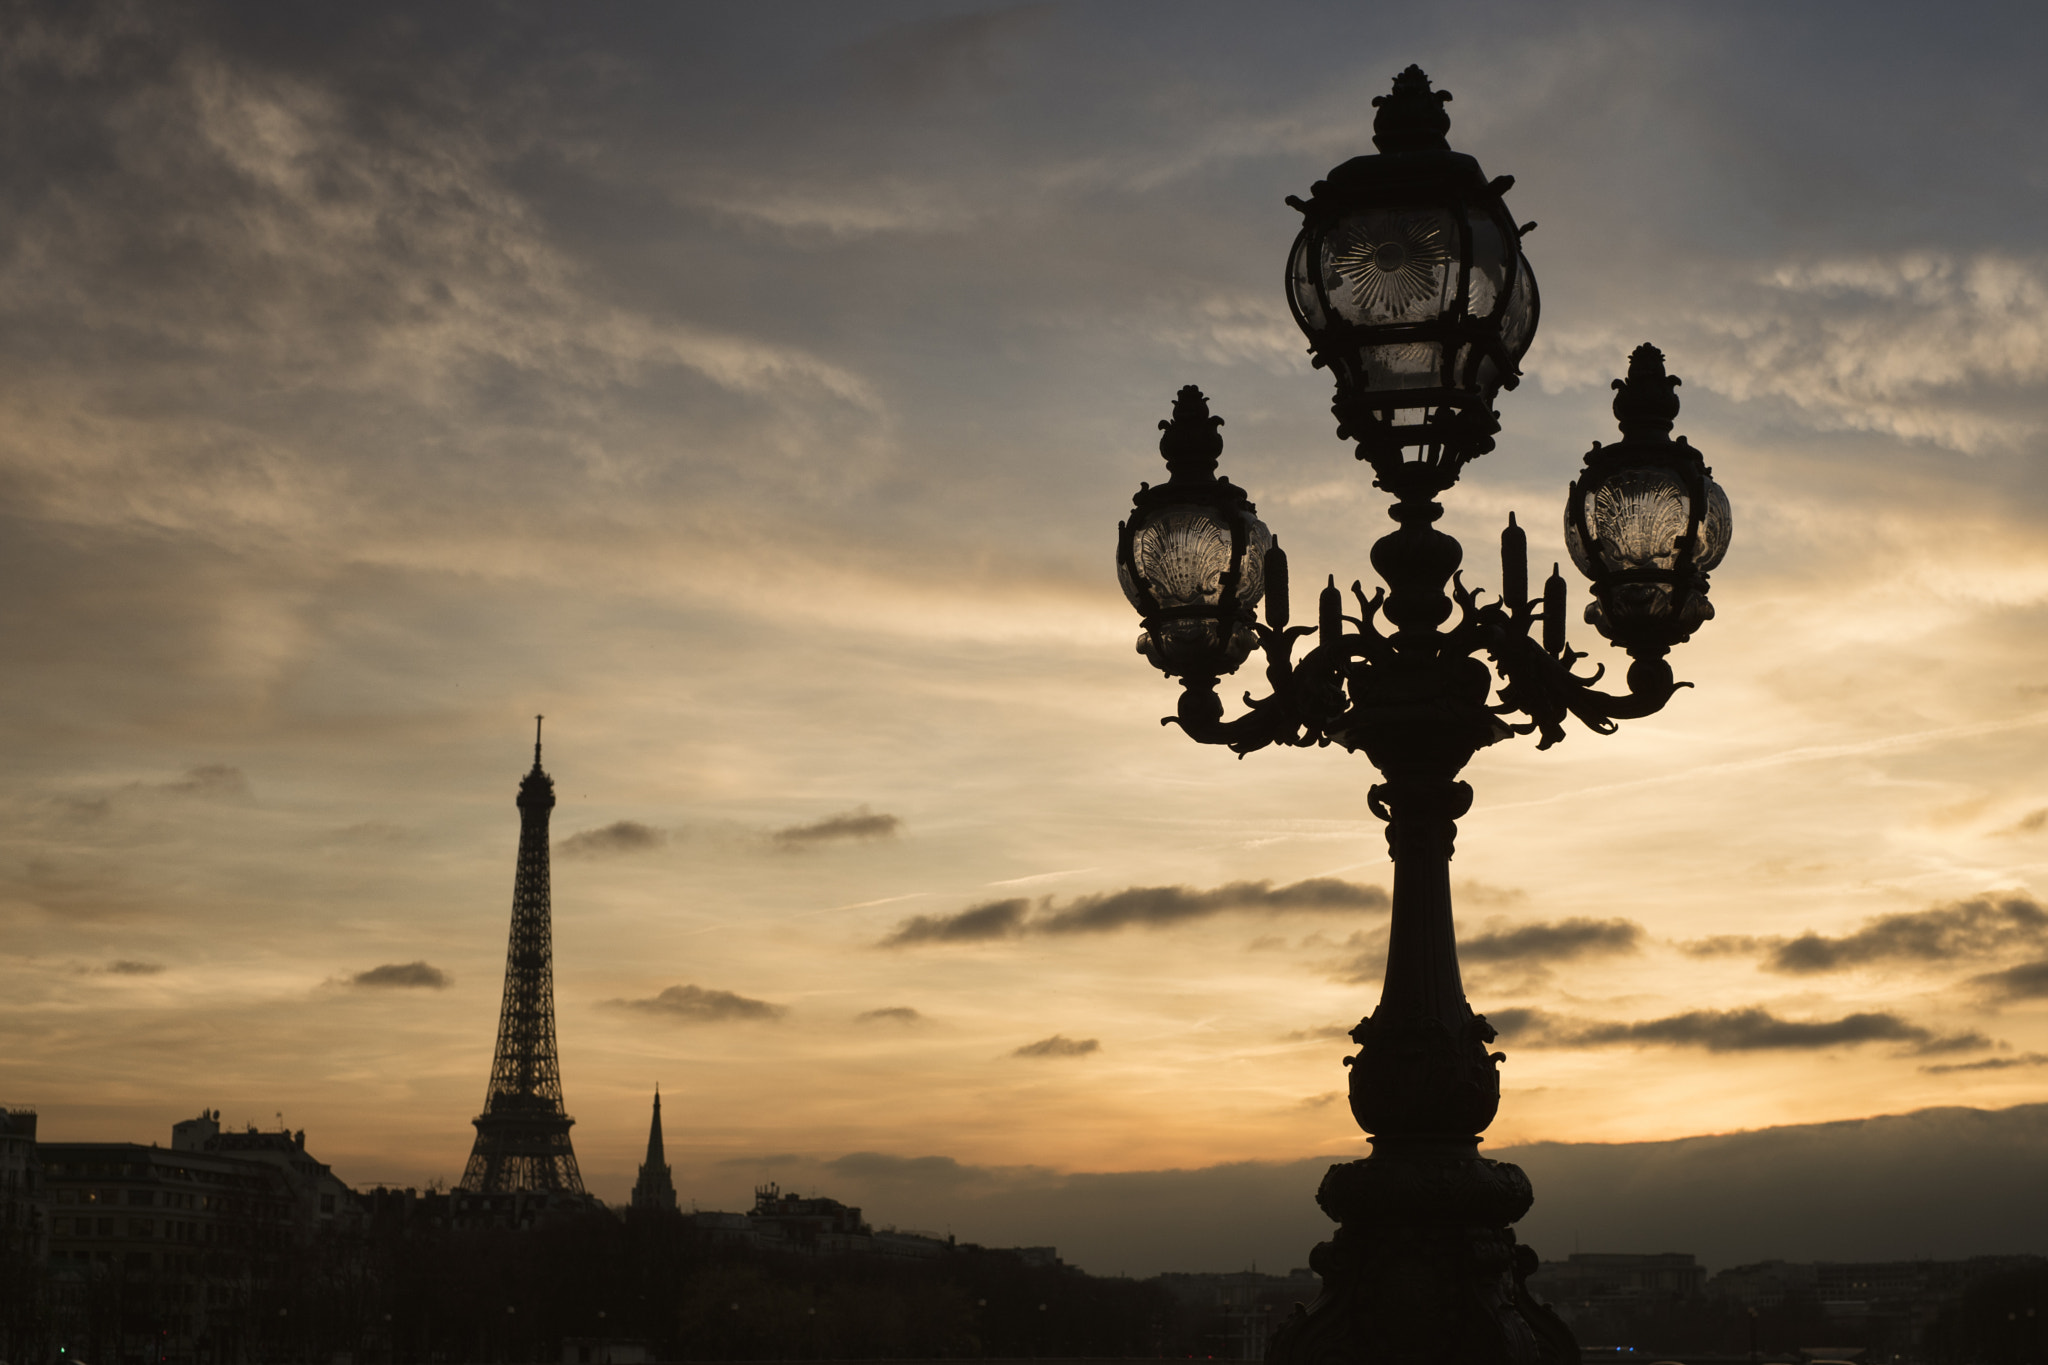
(1409, 280)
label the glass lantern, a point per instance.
(1192, 557)
(1646, 522)
(1409, 280)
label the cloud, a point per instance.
(1742, 1030)
(858, 823)
(1555, 941)
(1982, 927)
(978, 924)
(1059, 1045)
(1148, 907)
(1366, 957)
(1153, 906)
(926, 1171)
(2030, 823)
(621, 836)
(211, 779)
(889, 1014)
(129, 967)
(1727, 945)
(1924, 346)
(696, 1005)
(2028, 981)
(403, 974)
(1988, 1064)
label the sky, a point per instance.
(755, 391)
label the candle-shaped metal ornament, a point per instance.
(1514, 567)
(1330, 614)
(1553, 612)
(1277, 610)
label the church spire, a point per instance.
(522, 1137)
(655, 1189)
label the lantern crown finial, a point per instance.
(1646, 403)
(1191, 444)
(1412, 118)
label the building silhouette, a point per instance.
(655, 1189)
(179, 1253)
(522, 1136)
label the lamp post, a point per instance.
(1409, 280)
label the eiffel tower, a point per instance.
(522, 1137)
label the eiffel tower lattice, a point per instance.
(522, 1136)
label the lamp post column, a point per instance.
(1423, 1266)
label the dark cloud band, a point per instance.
(858, 824)
(697, 1005)
(1743, 1030)
(622, 836)
(1983, 927)
(1059, 1045)
(889, 1014)
(1554, 941)
(404, 976)
(1137, 906)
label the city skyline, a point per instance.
(759, 400)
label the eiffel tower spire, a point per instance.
(655, 1189)
(522, 1137)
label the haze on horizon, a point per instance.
(756, 394)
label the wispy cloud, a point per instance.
(1554, 941)
(1988, 1064)
(2028, 981)
(1928, 346)
(697, 1005)
(403, 975)
(621, 836)
(854, 825)
(1742, 1030)
(211, 779)
(1059, 1045)
(889, 1014)
(1983, 927)
(979, 924)
(1149, 907)
(2030, 823)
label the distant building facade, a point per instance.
(24, 1238)
(819, 1227)
(814, 1226)
(1603, 1281)
(1888, 1302)
(1239, 1309)
(164, 1254)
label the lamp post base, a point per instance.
(1424, 1269)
